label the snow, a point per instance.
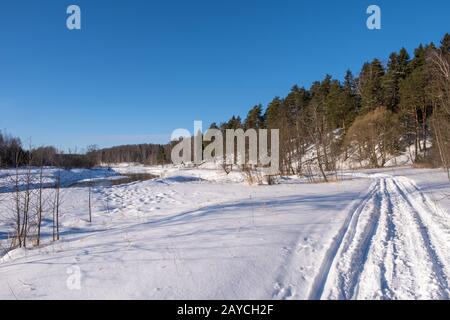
(198, 233)
(206, 171)
(395, 247)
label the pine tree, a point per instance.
(296, 101)
(342, 106)
(419, 58)
(350, 83)
(213, 126)
(273, 113)
(161, 156)
(415, 102)
(370, 82)
(391, 83)
(234, 123)
(403, 63)
(445, 43)
(255, 119)
(397, 71)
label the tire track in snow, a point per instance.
(348, 230)
(287, 290)
(375, 275)
(438, 267)
(437, 224)
(394, 247)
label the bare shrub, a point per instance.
(250, 175)
(374, 137)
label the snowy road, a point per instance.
(395, 245)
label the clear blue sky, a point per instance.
(139, 69)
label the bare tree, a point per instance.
(90, 192)
(56, 205)
(39, 207)
(22, 197)
(316, 126)
(27, 199)
(17, 208)
(439, 61)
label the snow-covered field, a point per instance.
(202, 234)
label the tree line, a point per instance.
(370, 118)
(148, 154)
(14, 154)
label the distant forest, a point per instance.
(148, 154)
(13, 154)
(369, 118)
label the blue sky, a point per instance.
(139, 69)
